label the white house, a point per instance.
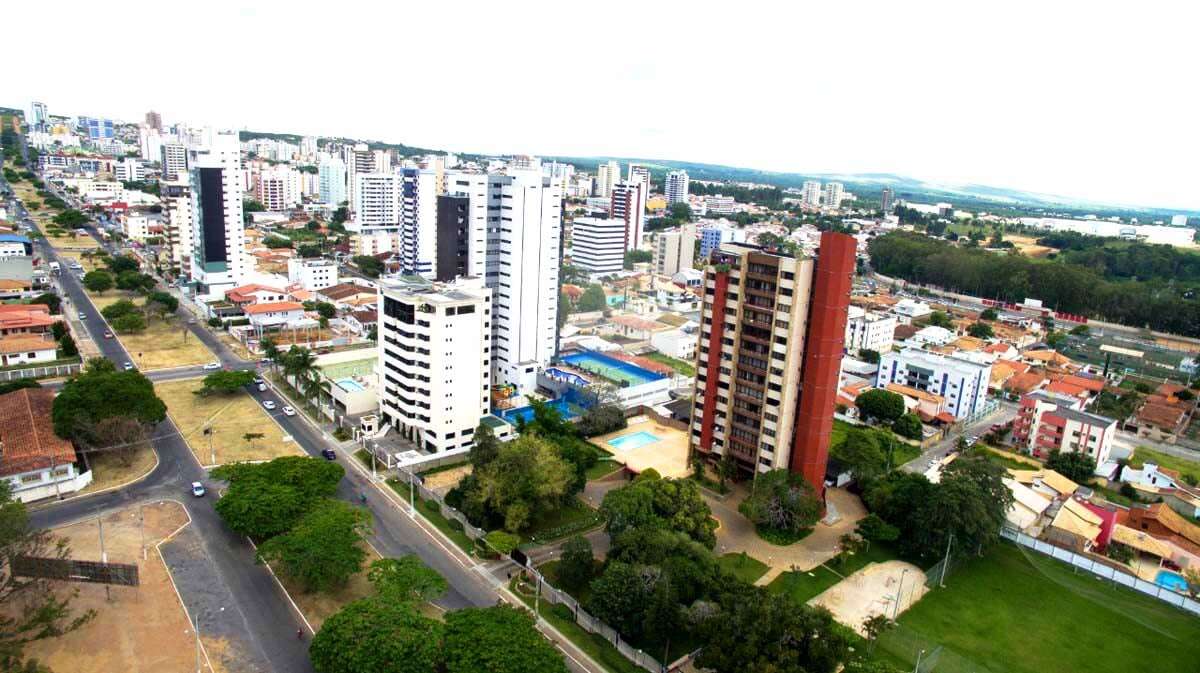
(312, 274)
(273, 314)
(908, 310)
(678, 343)
(21, 349)
(37, 463)
(1149, 475)
(931, 336)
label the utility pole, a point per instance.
(212, 453)
(142, 527)
(917, 668)
(196, 633)
(946, 562)
(899, 589)
(103, 555)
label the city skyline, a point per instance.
(962, 97)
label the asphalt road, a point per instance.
(1006, 412)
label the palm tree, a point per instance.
(270, 350)
(312, 389)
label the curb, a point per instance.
(131, 482)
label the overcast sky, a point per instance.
(1088, 99)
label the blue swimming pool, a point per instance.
(1171, 580)
(612, 368)
(350, 386)
(526, 413)
(634, 440)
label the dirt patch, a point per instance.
(230, 417)
(446, 479)
(1028, 245)
(109, 470)
(873, 590)
(141, 629)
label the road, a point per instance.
(1006, 412)
(267, 618)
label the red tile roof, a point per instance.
(25, 343)
(27, 439)
(274, 307)
(1025, 383)
(1161, 415)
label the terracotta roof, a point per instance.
(904, 332)
(1161, 415)
(274, 307)
(25, 319)
(25, 343)
(634, 322)
(1171, 520)
(1168, 389)
(9, 284)
(1048, 357)
(24, 308)
(1086, 382)
(1064, 388)
(1025, 383)
(365, 317)
(27, 439)
(917, 393)
(344, 290)
(245, 293)
(572, 291)
(999, 347)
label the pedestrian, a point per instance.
(299, 634)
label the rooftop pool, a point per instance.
(350, 386)
(526, 413)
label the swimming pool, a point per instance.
(612, 368)
(526, 413)
(1171, 580)
(351, 386)
(634, 440)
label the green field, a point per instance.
(1008, 611)
(746, 568)
(1185, 467)
(804, 585)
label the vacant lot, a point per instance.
(230, 417)
(163, 344)
(1009, 611)
(142, 629)
(803, 585)
(110, 469)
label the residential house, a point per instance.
(1048, 422)
(37, 463)
(254, 293)
(274, 314)
(927, 405)
(343, 294)
(908, 310)
(1023, 384)
(1161, 419)
(1163, 523)
(361, 321)
(24, 349)
(635, 328)
(25, 319)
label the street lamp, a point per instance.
(896, 605)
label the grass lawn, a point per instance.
(432, 513)
(1010, 612)
(746, 568)
(1009, 462)
(803, 585)
(163, 344)
(1143, 454)
(680, 366)
(561, 522)
(604, 466)
(595, 646)
(109, 470)
(904, 452)
(230, 416)
(1112, 495)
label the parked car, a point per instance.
(268, 405)
(288, 411)
(212, 365)
(198, 489)
(329, 454)
(262, 387)
(128, 366)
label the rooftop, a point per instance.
(27, 439)
(274, 307)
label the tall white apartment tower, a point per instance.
(833, 195)
(377, 202)
(811, 193)
(434, 361)
(174, 161)
(418, 221)
(640, 173)
(362, 159)
(218, 249)
(177, 217)
(628, 204)
(676, 187)
(607, 175)
(331, 173)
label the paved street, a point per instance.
(1006, 412)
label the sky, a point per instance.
(1092, 100)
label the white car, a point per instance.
(288, 411)
(213, 365)
(198, 489)
(268, 405)
(128, 366)
(82, 315)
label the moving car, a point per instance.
(288, 411)
(128, 366)
(198, 489)
(329, 454)
(107, 334)
(82, 315)
(258, 381)
(212, 365)
(269, 405)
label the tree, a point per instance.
(680, 212)
(326, 310)
(117, 309)
(601, 419)
(861, 453)
(485, 448)
(989, 314)
(592, 299)
(406, 579)
(650, 501)
(368, 265)
(527, 478)
(637, 257)
(67, 345)
(98, 281)
(49, 299)
(980, 330)
(1074, 465)
(309, 250)
(130, 322)
(252, 206)
(166, 300)
(874, 626)
(270, 350)
(577, 565)
(781, 502)
(621, 595)
(134, 281)
(763, 632)
(226, 382)
(939, 319)
(869, 356)
(323, 550)
(275, 242)
(499, 639)
(967, 507)
(119, 264)
(377, 635)
(266, 499)
(71, 219)
(101, 392)
(1080, 330)
(874, 529)
(908, 426)
(882, 405)
(38, 608)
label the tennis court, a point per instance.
(611, 368)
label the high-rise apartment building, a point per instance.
(628, 204)
(833, 195)
(276, 189)
(676, 186)
(39, 116)
(361, 159)
(174, 161)
(96, 129)
(154, 120)
(770, 357)
(598, 245)
(887, 200)
(607, 175)
(811, 193)
(640, 173)
(177, 221)
(377, 202)
(434, 361)
(332, 175)
(673, 251)
(958, 378)
(712, 236)
(418, 221)
(218, 252)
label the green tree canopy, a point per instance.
(324, 548)
(406, 579)
(651, 501)
(940, 319)
(880, 404)
(49, 299)
(70, 218)
(119, 264)
(637, 257)
(592, 299)
(781, 501)
(1073, 465)
(980, 330)
(368, 265)
(117, 309)
(226, 382)
(101, 392)
(771, 633)
(908, 426)
(527, 478)
(577, 565)
(98, 281)
(500, 639)
(380, 636)
(129, 323)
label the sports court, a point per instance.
(616, 371)
(887, 588)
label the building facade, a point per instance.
(676, 187)
(312, 274)
(765, 319)
(331, 173)
(218, 247)
(598, 245)
(377, 202)
(867, 330)
(434, 361)
(628, 204)
(961, 381)
(714, 235)
(174, 161)
(177, 220)
(1048, 422)
(673, 252)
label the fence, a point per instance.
(1103, 571)
(548, 593)
(52, 371)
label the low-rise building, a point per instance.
(962, 382)
(37, 463)
(1049, 422)
(867, 330)
(274, 313)
(15, 245)
(312, 274)
(908, 310)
